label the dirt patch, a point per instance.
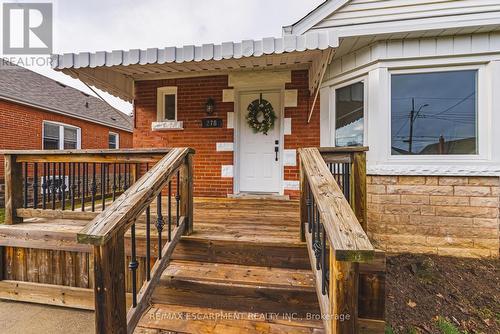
(423, 288)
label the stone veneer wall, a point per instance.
(457, 216)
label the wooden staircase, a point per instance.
(242, 270)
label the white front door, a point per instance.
(259, 164)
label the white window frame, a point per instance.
(333, 111)
(117, 136)
(482, 115)
(160, 102)
(61, 133)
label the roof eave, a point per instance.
(61, 112)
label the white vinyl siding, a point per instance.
(359, 12)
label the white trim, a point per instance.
(316, 16)
(117, 140)
(431, 170)
(60, 112)
(481, 118)
(160, 102)
(61, 133)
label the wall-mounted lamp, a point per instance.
(210, 106)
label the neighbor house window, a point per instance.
(113, 140)
(167, 104)
(349, 115)
(58, 136)
(434, 113)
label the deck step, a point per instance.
(236, 287)
(203, 247)
(161, 318)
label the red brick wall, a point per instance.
(192, 96)
(21, 128)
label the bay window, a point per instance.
(349, 115)
(434, 113)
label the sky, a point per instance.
(105, 25)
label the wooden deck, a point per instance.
(244, 256)
(242, 270)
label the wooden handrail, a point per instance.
(106, 233)
(336, 241)
(122, 212)
(348, 239)
(93, 156)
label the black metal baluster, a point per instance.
(119, 176)
(63, 184)
(72, 187)
(44, 186)
(84, 185)
(114, 182)
(178, 199)
(317, 240)
(324, 263)
(25, 197)
(133, 265)
(78, 182)
(159, 223)
(148, 243)
(106, 189)
(125, 184)
(93, 191)
(35, 185)
(59, 183)
(103, 186)
(169, 211)
(53, 187)
(309, 203)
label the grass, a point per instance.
(445, 327)
(2, 215)
(448, 328)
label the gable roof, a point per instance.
(313, 17)
(350, 18)
(20, 85)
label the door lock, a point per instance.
(276, 149)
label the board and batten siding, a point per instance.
(358, 12)
(461, 45)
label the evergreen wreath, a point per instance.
(255, 108)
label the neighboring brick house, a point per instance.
(415, 82)
(37, 112)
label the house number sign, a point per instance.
(211, 123)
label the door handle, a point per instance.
(276, 151)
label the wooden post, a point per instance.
(358, 187)
(186, 188)
(109, 287)
(343, 296)
(13, 189)
(303, 202)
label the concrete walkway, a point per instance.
(27, 318)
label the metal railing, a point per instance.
(336, 241)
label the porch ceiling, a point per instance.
(116, 71)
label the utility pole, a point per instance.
(412, 119)
(413, 116)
